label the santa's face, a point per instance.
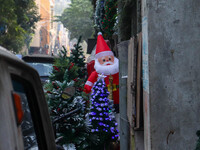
(107, 65)
(106, 60)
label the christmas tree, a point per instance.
(78, 58)
(101, 115)
(66, 105)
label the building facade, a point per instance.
(42, 40)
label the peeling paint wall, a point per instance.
(174, 73)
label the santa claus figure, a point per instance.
(108, 65)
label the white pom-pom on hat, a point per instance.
(99, 33)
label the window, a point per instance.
(28, 131)
(44, 69)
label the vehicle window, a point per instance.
(44, 69)
(28, 131)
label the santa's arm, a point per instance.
(91, 80)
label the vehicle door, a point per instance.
(24, 117)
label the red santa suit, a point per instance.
(104, 53)
(93, 78)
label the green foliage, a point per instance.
(64, 70)
(73, 129)
(109, 20)
(105, 17)
(77, 19)
(19, 17)
(78, 58)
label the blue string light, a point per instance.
(101, 116)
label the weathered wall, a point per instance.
(174, 73)
(43, 26)
(123, 72)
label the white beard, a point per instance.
(107, 70)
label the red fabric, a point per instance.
(87, 89)
(90, 67)
(101, 45)
(93, 78)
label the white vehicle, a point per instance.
(42, 63)
(24, 118)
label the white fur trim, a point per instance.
(104, 53)
(99, 33)
(107, 70)
(89, 83)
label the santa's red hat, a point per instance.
(102, 49)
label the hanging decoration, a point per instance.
(99, 14)
(109, 19)
(105, 17)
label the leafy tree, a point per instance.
(18, 19)
(77, 18)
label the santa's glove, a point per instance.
(87, 89)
